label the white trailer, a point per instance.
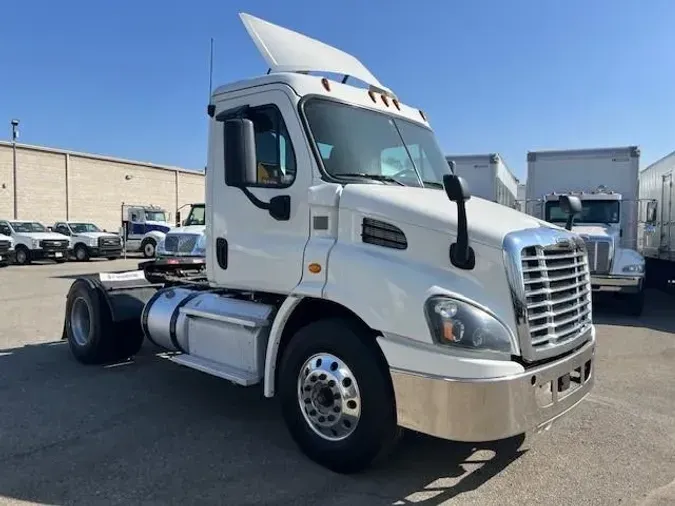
(606, 181)
(656, 239)
(521, 196)
(488, 177)
(366, 302)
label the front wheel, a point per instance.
(336, 395)
(22, 255)
(148, 247)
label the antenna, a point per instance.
(211, 108)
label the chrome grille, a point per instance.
(599, 255)
(5, 246)
(180, 243)
(557, 293)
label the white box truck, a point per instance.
(366, 302)
(488, 177)
(656, 239)
(606, 181)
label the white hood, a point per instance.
(94, 235)
(488, 222)
(599, 231)
(42, 236)
(189, 229)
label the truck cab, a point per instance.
(188, 238)
(143, 227)
(33, 241)
(367, 300)
(87, 240)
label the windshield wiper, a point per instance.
(376, 177)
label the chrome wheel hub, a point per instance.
(80, 321)
(329, 397)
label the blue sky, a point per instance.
(130, 78)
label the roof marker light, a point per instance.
(371, 93)
(396, 104)
(424, 116)
(325, 83)
(385, 100)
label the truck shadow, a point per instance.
(148, 430)
(657, 314)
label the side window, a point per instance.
(61, 229)
(274, 150)
(4, 229)
(651, 212)
(134, 217)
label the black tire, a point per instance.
(113, 258)
(376, 431)
(22, 255)
(81, 253)
(636, 303)
(145, 246)
(104, 341)
(60, 260)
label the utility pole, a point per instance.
(15, 135)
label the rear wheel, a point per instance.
(92, 335)
(336, 396)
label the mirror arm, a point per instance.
(462, 255)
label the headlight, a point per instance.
(160, 246)
(35, 243)
(200, 246)
(455, 323)
(635, 268)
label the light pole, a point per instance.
(15, 134)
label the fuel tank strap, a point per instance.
(174, 319)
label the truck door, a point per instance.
(136, 223)
(254, 250)
(665, 242)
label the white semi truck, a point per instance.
(143, 227)
(606, 182)
(656, 239)
(488, 177)
(365, 302)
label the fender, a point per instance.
(277, 330)
(157, 235)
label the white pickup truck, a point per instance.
(367, 303)
(89, 241)
(32, 241)
(6, 250)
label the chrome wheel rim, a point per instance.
(80, 321)
(80, 254)
(329, 397)
(149, 249)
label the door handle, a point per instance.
(221, 252)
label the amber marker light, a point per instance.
(314, 268)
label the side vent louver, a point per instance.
(382, 234)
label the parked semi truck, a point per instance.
(367, 303)
(143, 226)
(656, 240)
(488, 177)
(606, 182)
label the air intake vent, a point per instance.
(382, 234)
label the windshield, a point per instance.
(155, 216)
(356, 142)
(196, 216)
(79, 228)
(27, 226)
(592, 211)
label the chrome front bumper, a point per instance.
(490, 409)
(617, 284)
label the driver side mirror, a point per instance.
(178, 222)
(240, 155)
(571, 206)
(456, 188)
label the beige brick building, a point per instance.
(54, 184)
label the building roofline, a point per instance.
(104, 158)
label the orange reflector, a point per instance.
(314, 268)
(325, 83)
(448, 331)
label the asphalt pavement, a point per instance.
(153, 432)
